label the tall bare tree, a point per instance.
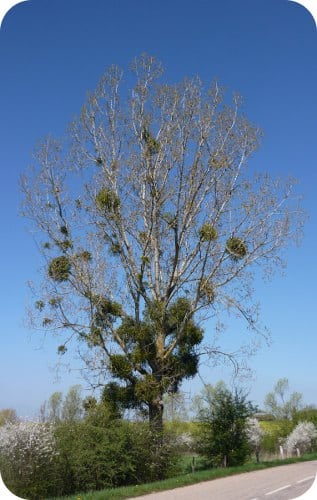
(147, 218)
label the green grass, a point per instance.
(183, 480)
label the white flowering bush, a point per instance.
(255, 435)
(26, 452)
(302, 437)
(184, 441)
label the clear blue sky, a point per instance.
(53, 51)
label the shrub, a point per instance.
(255, 435)
(222, 438)
(27, 456)
(302, 437)
(39, 460)
(99, 453)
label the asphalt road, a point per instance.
(285, 482)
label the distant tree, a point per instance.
(59, 408)
(175, 407)
(72, 407)
(277, 403)
(302, 437)
(223, 436)
(203, 400)
(149, 222)
(8, 415)
(54, 407)
(255, 435)
(306, 414)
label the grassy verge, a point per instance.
(183, 480)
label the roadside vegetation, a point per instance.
(87, 449)
(184, 480)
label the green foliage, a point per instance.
(62, 349)
(47, 321)
(117, 398)
(55, 301)
(152, 147)
(89, 404)
(307, 414)
(106, 311)
(99, 452)
(65, 245)
(82, 451)
(236, 248)
(140, 338)
(207, 290)
(120, 366)
(107, 201)
(95, 336)
(84, 256)
(274, 433)
(208, 232)
(115, 248)
(179, 480)
(39, 304)
(148, 388)
(59, 268)
(222, 438)
(217, 161)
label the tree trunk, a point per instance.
(156, 418)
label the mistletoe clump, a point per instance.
(106, 311)
(175, 322)
(62, 349)
(217, 161)
(152, 146)
(84, 256)
(207, 290)
(65, 245)
(120, 366)
(147, 388)
(107, 201)
(59, 268)
(236, 247)
(208, 232)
